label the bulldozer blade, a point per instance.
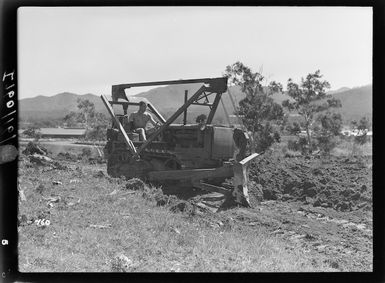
(240, 192)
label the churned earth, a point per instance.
(341, 183)
(322, 203)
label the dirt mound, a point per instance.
(135, 184)
(33, 148)
(183, 206)
(340, 183)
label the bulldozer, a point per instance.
(201, 156)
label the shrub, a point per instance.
(298, 145)
(33, 132)
(86, 152)
(326, 143)
(97, 134)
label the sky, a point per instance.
(88, 49)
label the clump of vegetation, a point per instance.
(260, 114)
(361, 128)
(96, 123)
(33, 132)
(327, 133)
(306, 100)
(297, 145)
(33, 148)
(86, 152)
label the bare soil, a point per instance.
(322, 203)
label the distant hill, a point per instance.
(54, 107)
(356, 102)
(341, 89)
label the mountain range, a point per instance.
(356, 102)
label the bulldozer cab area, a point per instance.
(190, 142)
(122, 111)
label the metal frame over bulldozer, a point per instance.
(200, 166)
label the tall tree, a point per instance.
(87, 110)
(258, 110)
(306, 98)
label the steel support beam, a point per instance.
(173, 82)
(127, 140)
(215, 85)
(214, 108)
(185, 111)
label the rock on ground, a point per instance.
(121, 263)
(135, 184)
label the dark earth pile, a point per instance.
(341, 183)
(33, 148)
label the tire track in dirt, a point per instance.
(345, 245)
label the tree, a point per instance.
(33, 132)
(260, 114)
(294, 128)
(87, 110)
(306, 99)
(72, 119)
(362, 128)
(96, 123)
(330, 127)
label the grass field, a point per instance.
(153, 238)
(94, 219)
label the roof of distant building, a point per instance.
(63, 131)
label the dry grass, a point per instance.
(344, 147)
(348, 148)
(152, 237)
